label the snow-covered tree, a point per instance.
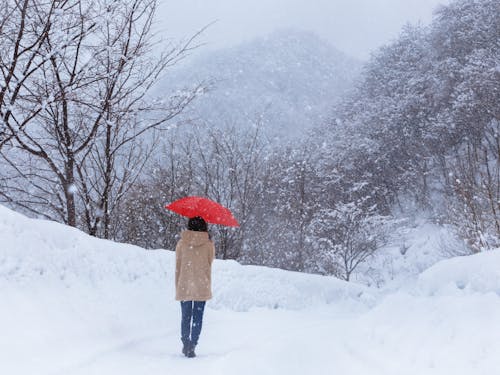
(87, 144)
(345, 236)
(25, 27)
(466, 44)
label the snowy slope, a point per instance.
(72, 304)
(414, 246)
(288, 81)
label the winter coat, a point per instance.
(194, 254)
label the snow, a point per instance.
(72, 189)
(463, 275)
(415, 246)
(258, 83)
(73, 304)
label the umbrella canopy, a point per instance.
(210, 211)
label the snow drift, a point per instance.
(41, 253)
(472, 274)
(73, 304)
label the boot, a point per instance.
(190, 351)
(185, 347)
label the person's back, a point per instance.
(194, 255)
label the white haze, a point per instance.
(355, 27)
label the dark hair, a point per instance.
(197, 224)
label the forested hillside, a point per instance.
(285, 82)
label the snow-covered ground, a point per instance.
(415, 245)
(72, 304)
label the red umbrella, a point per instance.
(210, 211)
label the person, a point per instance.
(194, 255)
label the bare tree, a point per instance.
(36, 37)
(24, 29)
(131, 121)
(474, 206)
(231, 163)
(88, 143)
(287, 206)
(228, 166)
(142, 218)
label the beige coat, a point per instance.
(194, 254)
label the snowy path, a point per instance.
(404, 335)
(269, 342)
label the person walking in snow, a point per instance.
(194, 255)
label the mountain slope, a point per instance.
(288, 81)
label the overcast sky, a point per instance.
(354, 26)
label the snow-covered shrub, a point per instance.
(344, 237)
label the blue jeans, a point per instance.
(192, 320)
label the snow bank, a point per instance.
(429, 335)
(68, 299)
(479, 273)
(243, 287)
(414, 247)
(38, 252)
